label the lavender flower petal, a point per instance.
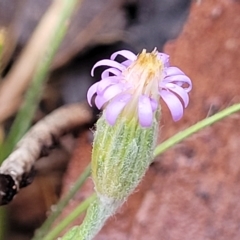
(164, 58)
(145, 112)
(91, 91)
(106, 82)
(107, 62)
(127, 63)
(179, 80)
(115, 107)
(108, 94)
(125, 53)
(100, 101)
(154, 104)
(179, 91)
(174, 71)
(113, 91)
(106, 72)
(173, 103)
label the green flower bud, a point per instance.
(121, 155)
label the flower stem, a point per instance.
(162, 147)
(42, 231)
(70, 218)
(97, 213)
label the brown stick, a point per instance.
(33, 145)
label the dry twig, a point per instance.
(15, 171)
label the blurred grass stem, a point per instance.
(53, 234)
(40, 48)
(2, 43)
(3, 223)
(162, 147)
(42, 231)
(58, 17)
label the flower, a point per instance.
(126, 133)
(132, 88)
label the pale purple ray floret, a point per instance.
(114, 91)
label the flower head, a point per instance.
(132, 88)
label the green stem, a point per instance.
(97, 213)
(33, 96)
(42, 231)
(70, 218)
(162, 147)
(3, 223)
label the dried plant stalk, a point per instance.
(22, 71)
(16, 170)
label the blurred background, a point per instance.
(191, 191)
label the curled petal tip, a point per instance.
(174, 104)
(180, 92)
(109, 63)
(113, 71)
(91, 91)
(125, 53)
(172, 71)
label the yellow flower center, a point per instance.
(144, 75)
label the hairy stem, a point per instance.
(71, 217)
(97, 214)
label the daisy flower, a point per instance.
(133, 87)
